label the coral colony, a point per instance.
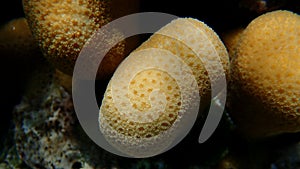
(154, 92)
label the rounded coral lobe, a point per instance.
(153, 98)
(266, 74)
(63, 27)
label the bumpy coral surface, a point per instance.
(266, 76)
(156, 79)
(63, 27)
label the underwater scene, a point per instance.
(132, 84)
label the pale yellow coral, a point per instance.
(266, 76)
(157, 80)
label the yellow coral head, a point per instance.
(153, 99)
(62, 28)
(266, 76)
(149, 104)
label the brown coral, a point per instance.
(266, 76)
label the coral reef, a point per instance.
(266, 76)
(263, 98)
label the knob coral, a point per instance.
(152, 99)
(63, 27)
(266, 76)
